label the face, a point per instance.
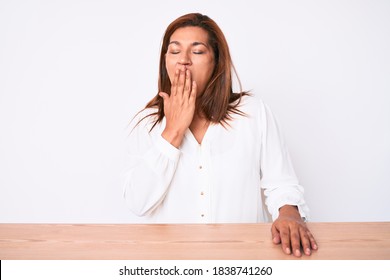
(189, 49)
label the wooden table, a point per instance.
(185, 242)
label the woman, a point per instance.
(200, 153)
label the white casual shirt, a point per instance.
(217, 181)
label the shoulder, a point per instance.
(252, 106)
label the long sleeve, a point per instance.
(277, 174)
(151, 165)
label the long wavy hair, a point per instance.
(218, 102)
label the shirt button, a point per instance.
(202, 215)
(200, 166)
(201, 193)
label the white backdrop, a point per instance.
(73, 73)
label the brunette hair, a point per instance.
(218, 102)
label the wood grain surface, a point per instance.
(336, 241)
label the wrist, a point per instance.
(173, 136)
(290, 210)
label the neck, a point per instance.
(199, 127)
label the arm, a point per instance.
(284, 195)
(151, 165)
(155, 155)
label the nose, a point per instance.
(184, 59)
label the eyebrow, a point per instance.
(193, 44)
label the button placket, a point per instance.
(204, 184)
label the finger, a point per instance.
(193, 93)
(164, 95)
(313, 242)
(305, 241)
(285, 238)
(174, 83)
(187, 84)
(295, 240)
(275, 235)
(181, 82)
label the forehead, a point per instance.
(190, 34)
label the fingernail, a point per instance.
(288, 251)
(308, 252)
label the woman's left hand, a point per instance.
(291, 231)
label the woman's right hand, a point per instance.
(179, 107)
